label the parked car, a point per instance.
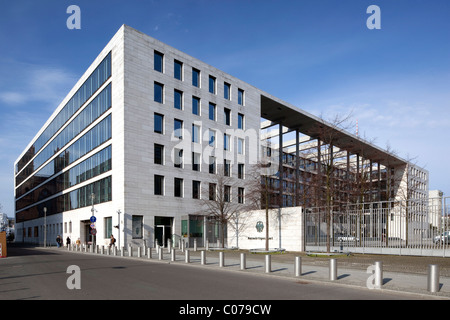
(444, 237)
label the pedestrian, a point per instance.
(112, 241)
(68, 241)
(58, 241)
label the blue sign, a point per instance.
(93, 219)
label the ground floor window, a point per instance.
(137, 226)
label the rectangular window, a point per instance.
(226, 142)
(195, 189)
(178, 188)
(241, 171)
(212, 191)
(195, 161)
(178, 129)
(159, 154)
(212, 111)
(212, 84)
(178, 158)
(158, 92)
(212, 138)
(241, 195)
(159, 123)
(212, 164)
(178, 70)
(241, 124)
(195, 133)
(158, 61)
(108, 227)
(137, 226)
(241, 97)
(227, 193)
(159, 185)
(240, 146)
(196, 77)
(227, 91)
(227, 168)
(178, 99)
(196, 106)
(227, 116)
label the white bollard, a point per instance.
(160, 254)
(243, 262)
(149, 253)
(203, 257)
(298, 266)
(268, 263)
(172, 255)
(186, 256)
(433, 278)
(333, 269)
(221, 259)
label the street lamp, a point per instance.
(45, 227)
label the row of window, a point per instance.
(98, 77)
(92, 112)
(214, 194)
(196, 162)
(178, 73)
(196, 106)
(178, 132)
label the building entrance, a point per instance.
(163, 230)
(85, 232)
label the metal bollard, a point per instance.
(115, 251)
(139, 252)
(333, 269)
(161, 254)
(186, 256)
(102, 250)
(433, 278)
(172, 254)
(221, 259)
(243, 262)
(203, 257)
(149, 253)
(195, 244)
(130, 251)
(378, 275)
(268, 263)
(169, 246)
(298, 266)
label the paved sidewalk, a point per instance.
(403, 274)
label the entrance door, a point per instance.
(163, 230)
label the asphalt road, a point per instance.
(40, 274)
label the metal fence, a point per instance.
(394, 227)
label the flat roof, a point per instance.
(294, 118)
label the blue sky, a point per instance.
(316, 54)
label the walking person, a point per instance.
(58, 241)
(112, 241)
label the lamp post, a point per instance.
(93, 214)
(118, 228)
(45, 227)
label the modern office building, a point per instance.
(142, 137)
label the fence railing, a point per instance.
(409, 227)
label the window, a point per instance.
(178, 158)
(178, 70)
(158, 61)
(212, 191)
(158, 92)
(212, 138)
(196, 77)
(227, 193)
(226, 91)
(212, 164)
(159, 123)
(212, 84)
(195, 133)
(159, 154)
(178, 129)
(240, 195)
(159, 185)
(108, 227)
(196, 106)
(212, 111)
(178, 188)
(240, 171)
(226, 142)
(195, 189)
(136, 226)
(227, 168)
(241, 124)
(240, 145)
(227, 116)
(178, 99)
(195, 161)
(241, 97)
